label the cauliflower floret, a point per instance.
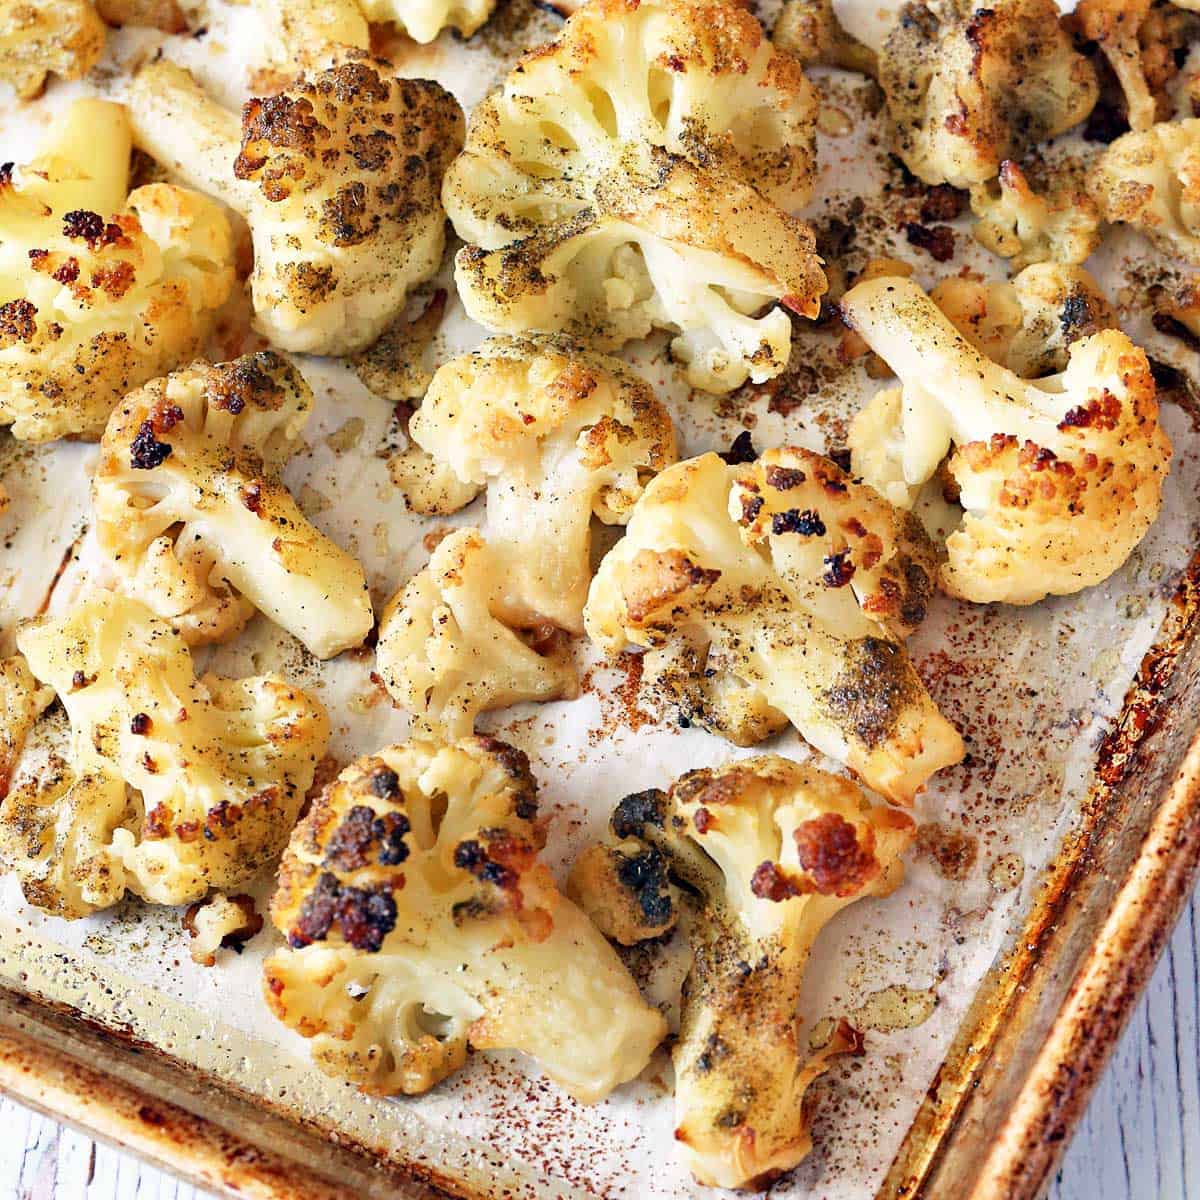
(220, 922)
(419, 922)
(22, 701)
(192, 514)
(556, 435)
(1029, 323)
(172, 785)
(43, 37)
(627, 177)
(1151, 180)
(968, 87)
(810, 31)
(772, 851)
(1015, 222)
(338, 177)
(1058, 478)
(797, 581)
(103, 290)
(306, 30)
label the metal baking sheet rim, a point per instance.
(963, 1143)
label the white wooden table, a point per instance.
(1139, 1141)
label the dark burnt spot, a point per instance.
(277, 122)
(872, 690)
(938, 241)
(385, 783)
(839, 570)
(17, 322)
(751, 507)
(832, 856)
(252, 496)
(942, 203)
(841, 457)
(470, 856)
(804, 522)
(741, 451)
(247, 380)
(771, 882)
(67, 271)
(365, 915)
(354, 842)
(140, 725)
(145, 451)
(703, 820)
(346, 218)
(638, 810)
(644, 876)
(1078, 313)
(80, 680)
(92, 228)
(783, 479)
(1101, 412)
(372, 151)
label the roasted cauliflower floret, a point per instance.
(171, 785)
(810, 31)
(1015, 222)
(305, 30)
(193, 517)
(556, 435)
(47, 37)
(1151, 181)
(797, 581)
(628, 176)
(1029, 323)
(338, 177)
(420, 922)
(1058, 478)
(22, 701)
(218, 923)
(969, 86)
(771, 850)
(101, 291)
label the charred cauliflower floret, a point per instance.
(1058, 478)
(810, 31)
(304, 30)
(1151, 181)
(1016, 223)
(193, 517)
(796, 582)
(771, 850)
(1029, 323)
(338, 177)
(47, 37)
(968, 86)
(555, 434)
(102, 290)
(171, 785)
(420, 923)
(629, 176)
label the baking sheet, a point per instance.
(1031, 690)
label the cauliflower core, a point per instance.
(1058, 478)
(338, 177)
(172, 785)
(969, 86)
(628, 176)
(420, 922)
(556, 435)
(100, 290)
(779, 589)
(192, 515)
(47, 37)
(1151, 181)
(771, 851)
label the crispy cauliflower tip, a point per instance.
(1016, 223)
(771, 850)
(305, 30)
(338, 177)
(44, 37)
(193, 517)
(968, 86)
(810, 31)
(420, 923)
(1058, 478)
(1151, 181)
(797, 581)
(101, 290)
(172, 785)
(629, 176)
(1029, 323)
(448, 650)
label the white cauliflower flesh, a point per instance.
(338, 177)
(306, 30)
(1151, 181)
(193, 517)
(420, 923)
(629, 176)
(796, 581)
(771, 851)
(1016, 223)
(1058, 478)
(171, 785)
(969, 86)
(1029, 323)
(100, 290)
(47, 37)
